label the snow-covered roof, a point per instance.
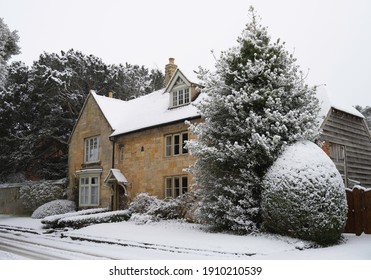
(117, 175)
(327, 102)
(143, 112)
(189, 78)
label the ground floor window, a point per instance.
(175, 186)
(89, 191)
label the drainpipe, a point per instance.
(112, 139)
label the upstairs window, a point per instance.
(122, 152)
(175, 144)
(180, 97)
(92, 149)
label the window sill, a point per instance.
(91, 164)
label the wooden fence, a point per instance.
(359, 210)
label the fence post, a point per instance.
(350, 224)
(358, 210)
(367, 211)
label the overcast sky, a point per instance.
(330, 39)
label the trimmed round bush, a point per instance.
(304, 195)
(54, 207)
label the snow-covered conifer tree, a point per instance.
(257, 102)
(8, 48)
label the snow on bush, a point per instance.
(35, 195)
(153, 209)
(53, 208)
(52, 221)
(304, 195)
(86, 220)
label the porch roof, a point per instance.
(116, 175)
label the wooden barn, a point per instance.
(346, 138)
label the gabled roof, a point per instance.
(146, 111)
(327, 102)
(178, 74)
(116, 175)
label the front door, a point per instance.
(121, 198)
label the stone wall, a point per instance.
(91, 123)
(10, 202)
(145, 165)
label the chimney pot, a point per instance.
(110, 94)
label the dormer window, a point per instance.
(181, 90)
(180, 97)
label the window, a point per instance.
(175, 186)
(175, 144)
(180, 97)
(89, 191)
(184, 142)
(122, 152)
(92, 149)
(337, 152)
(168, 145)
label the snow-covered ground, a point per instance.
(172, 245)
(179, 240)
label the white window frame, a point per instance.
(176, 186)
(175, 144)
(180, 96)
(91, 149)
(89, 190)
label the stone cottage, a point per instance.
(121, 148)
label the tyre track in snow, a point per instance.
(73, 238)
(22, 242)
(158, 247)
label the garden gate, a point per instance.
(359, 210)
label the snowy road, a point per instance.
(33, 246)
(23, 243)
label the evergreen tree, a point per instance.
(8, 48)
(16, 115)
(39, 106)
(366, 111)
(257, 102)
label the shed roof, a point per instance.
(327, 101)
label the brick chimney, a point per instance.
(169, 70)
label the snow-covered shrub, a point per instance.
(157, 208)
(52, 221)
(304, 195)
(34, 195)
(53, 208)
(141, 219)
(86, 220)
(144, 203)
(182, 207)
